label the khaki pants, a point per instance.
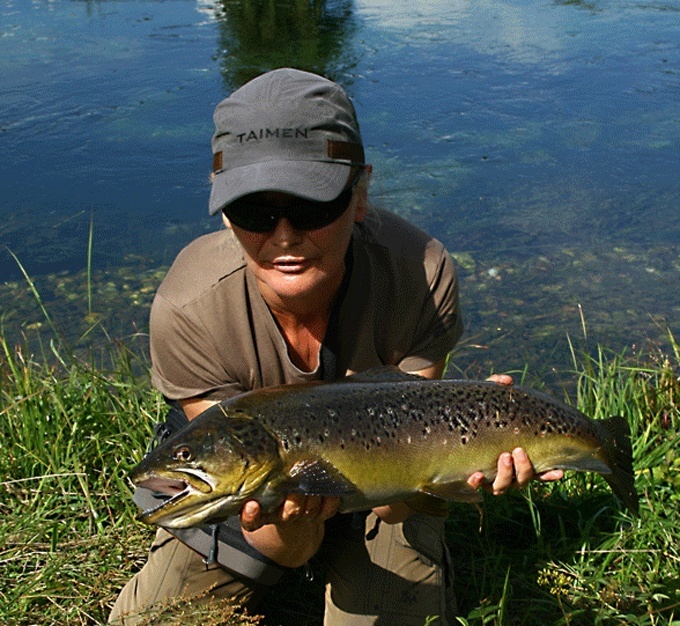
(398, 574)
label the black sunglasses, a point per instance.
(302, 214)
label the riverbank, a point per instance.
(73, 426)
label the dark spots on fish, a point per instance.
(262, 447)
(324, 435)
(388, 417)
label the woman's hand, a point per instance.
(292, 533)
(514, 469)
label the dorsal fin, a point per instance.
(381, 374)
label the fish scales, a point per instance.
(372, 442)
(341, 424)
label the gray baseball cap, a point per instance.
(286, 130)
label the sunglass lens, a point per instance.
(303, 215)
(313, 215)
(256, 219)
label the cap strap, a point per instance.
(345, 151)
(336, 150)
(217, 161)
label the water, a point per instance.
(538, 139)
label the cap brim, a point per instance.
(312, 180)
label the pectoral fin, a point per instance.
(458, 491)
(316, 477)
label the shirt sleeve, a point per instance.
(440, 322)
(181, 350)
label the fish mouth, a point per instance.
(172, 487)
(180, 501)
(177, 482)
(166, 503)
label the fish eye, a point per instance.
(183, 453)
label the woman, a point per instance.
(305, 283)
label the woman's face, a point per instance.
(298, 269)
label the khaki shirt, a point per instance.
(213, 336)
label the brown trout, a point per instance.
(371, 442)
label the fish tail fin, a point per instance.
(618, 454)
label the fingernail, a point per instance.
(520, 453)
(506, 459)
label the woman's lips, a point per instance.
(290, 266)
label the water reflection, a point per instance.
(259, 35)
(538, 140)
(590, 6)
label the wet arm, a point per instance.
(292, 534)
(195, 406)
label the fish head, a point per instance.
(206, 471)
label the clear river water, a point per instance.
(538, 139)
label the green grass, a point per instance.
(69, 433)
(564, 553)
(72, 427)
